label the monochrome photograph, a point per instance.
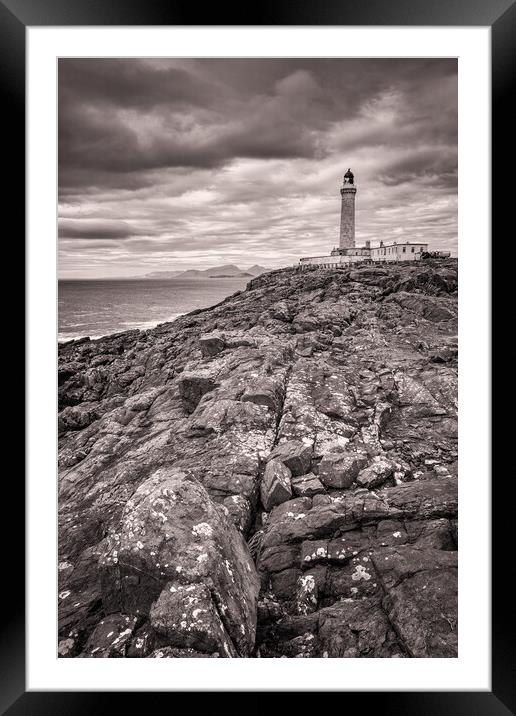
(257, 358)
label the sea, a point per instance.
(101, 307)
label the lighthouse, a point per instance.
(348, 253)
(348, 191)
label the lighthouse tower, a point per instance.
(347, 212)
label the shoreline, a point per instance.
(148, 325)
(104, 331)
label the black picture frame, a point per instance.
(500, 16)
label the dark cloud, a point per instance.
(434, 163)
(124, 116)
(130, 84)
(94, 229)
(173, 160)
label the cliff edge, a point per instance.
(274, 476)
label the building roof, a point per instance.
(401, 243)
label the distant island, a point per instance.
(226, 271)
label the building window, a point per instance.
(412, 249)
(404, 249)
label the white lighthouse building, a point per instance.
(347, 252)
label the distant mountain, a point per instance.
(256, 270)
(225, 271)
(161, 274)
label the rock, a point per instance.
(269, 610)
(326, 313)
(444, 355)
(306, 596)
(144, 641)
(341, 469)
(428, 307)
(391, 533)
(76, 418)
(240, 511)
(295, 455)
(142, 401)
(129, 376)
(173, 536)
(319, 500)
(293, 509)
(66, 371)
(110, 637)
(301, 647)
(339, 550)
(438, 534)
(68, 648)
(188, 618)
(279, 557)
(306, 352)
(281, 311)
(211, 344)
(79, 596)
(367, 272)
(424, 499)
(275, 487)
(266, 391)
(307, 485)
(432, 282)
(350, 628)
(324, 520)
(351, 580)
(223, 416)
(421, 598)
(417, 397)
(377, 472)
(284, 584)
(192, 387)
(441, 470)
(240, 338)
(356, 629)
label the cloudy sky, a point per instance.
(174, 164)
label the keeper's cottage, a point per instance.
(347, 252)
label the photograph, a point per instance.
(257, 357)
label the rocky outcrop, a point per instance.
(274, 476)
(178, 560)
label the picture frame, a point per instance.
(15, 17)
